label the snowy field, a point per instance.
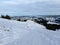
(26, 33)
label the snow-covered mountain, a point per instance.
(26, 33)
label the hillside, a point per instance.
(26, 33)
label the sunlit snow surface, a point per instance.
(26, 33)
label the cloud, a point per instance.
(18, 2)
(29, 7)
(10, 2)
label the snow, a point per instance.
(26, 33)
(53, 23)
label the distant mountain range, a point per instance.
(39, 16)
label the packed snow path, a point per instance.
(26, 33)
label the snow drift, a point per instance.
(26, 33)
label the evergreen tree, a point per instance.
(2, 16)
(7, 17)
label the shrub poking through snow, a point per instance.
(40, 21)
(18, 20)
(52, 26)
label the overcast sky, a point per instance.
(30, 7)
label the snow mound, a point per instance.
(32, 24)
(26, 33)
(53, 23)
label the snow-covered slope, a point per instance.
(26, 33)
